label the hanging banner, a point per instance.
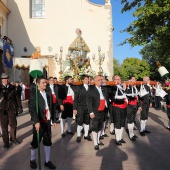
(7, 55)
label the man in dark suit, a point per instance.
(53, 89)
(132, 107)
(41, 121)
(96, 103)
(119, 108)
(9, 106)
(146, 102)
(65, 100)
(80, 109)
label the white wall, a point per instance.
(58, 28)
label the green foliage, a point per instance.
(151, 29)
(117, 67)
(152, 53)
(132, 66)
(153, 21)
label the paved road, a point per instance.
(151, 152)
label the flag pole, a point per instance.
(38, 135)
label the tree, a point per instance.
(151, 29)
(117, 67)
(134, 66)
(153, 22)
(152, 53)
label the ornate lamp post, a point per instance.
(59, 61)
(100, 60)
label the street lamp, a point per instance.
(100, 60)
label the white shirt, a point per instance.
(101, 96)
(52, 88)
(44, 95)
(70, 91)
(86, 86)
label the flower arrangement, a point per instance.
(87, 71)
(69, 73)
(83, 70)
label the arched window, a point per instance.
(37, 8)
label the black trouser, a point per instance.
(119, 115)
(97, 121)
(158, 100)
(168, 112)
(131, 113)
(68, 111)
(144, 112)
(110, 114)
(44, 132)
(8, 118)
(82, 116)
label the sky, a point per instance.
(121, 21)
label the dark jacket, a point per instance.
(56, 87)
(147, 98)
(80, 97)
(41, 107)
(93, 99)
(167, 97)
(9, 99)
(131, 98)
(116, 101)
(62, 93)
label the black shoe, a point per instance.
(105, 135)
(87, 138)
(146, 131)
(168, 128)
(142, 133)
(16, 141)
(78, 139)
(63, 135)
(49, 165)
(101, 137)
(33, 164)
(135, 136)
(122, 141)
(6, 146)
(132, 138)
(70, 133)
(112, 133)
(96, 147)
(100, 143)
(118, 143)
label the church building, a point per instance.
(60, 30)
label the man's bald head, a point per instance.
(146, 79)
(98, 80)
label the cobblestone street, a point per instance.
(146, 153)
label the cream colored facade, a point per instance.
(62, 18)
(4, 11)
